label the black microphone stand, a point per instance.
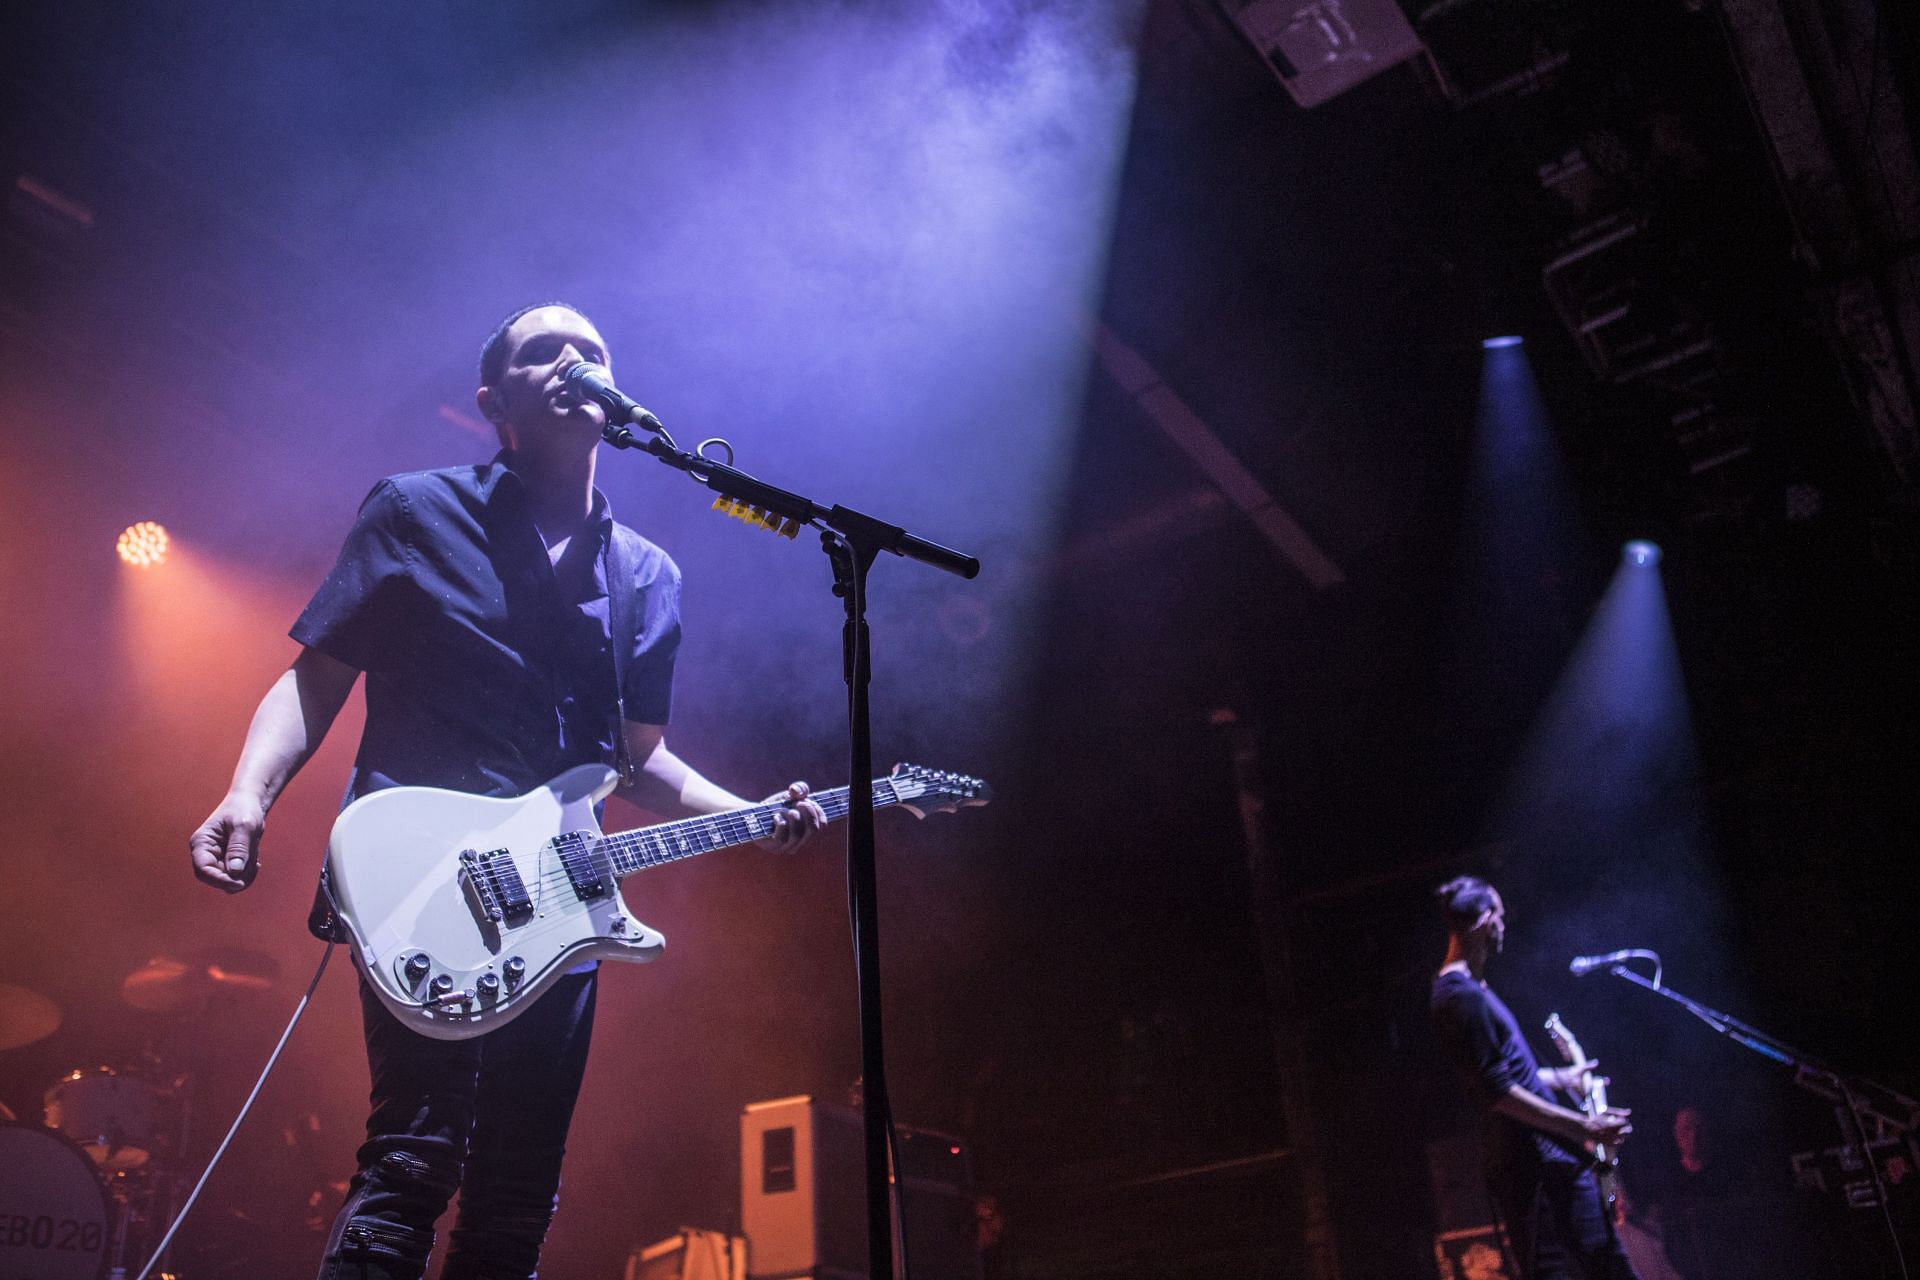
(1855, 1097)
(852, 541)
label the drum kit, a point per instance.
(87, 1194)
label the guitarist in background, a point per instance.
(1532, 1149)
(477, 600)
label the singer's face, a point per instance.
(531, 400)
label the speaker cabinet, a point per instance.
(803, 1202)
(803, 1190)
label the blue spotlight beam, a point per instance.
(1521, 538)
(1610, 765)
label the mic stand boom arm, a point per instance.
(731, 482)
(852, 541)
(1856, 1097)
(1889, 1108)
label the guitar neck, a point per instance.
(1592, 1094)
(630, 851)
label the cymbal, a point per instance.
(25, 1016)
(175, 984)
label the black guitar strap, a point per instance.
(622, 627)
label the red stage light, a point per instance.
(143, 544)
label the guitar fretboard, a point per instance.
(629, 851)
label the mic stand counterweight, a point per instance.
(852, 541)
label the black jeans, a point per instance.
(1557, 1223)
(487, 1117)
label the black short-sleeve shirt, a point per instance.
(1478, 1035)
(489, 666)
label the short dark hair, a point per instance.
(493, 352)
(1463, 900)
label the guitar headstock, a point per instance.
(929, 791)
(758, 517)
(1563, 1040)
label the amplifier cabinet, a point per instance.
(803, 1199)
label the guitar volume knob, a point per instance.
(516, 970)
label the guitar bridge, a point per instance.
(494, 888)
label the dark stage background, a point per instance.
(249, 256)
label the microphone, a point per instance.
(1583, 965)
(595, 383)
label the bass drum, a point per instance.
(55, 1217)
(111, 1114)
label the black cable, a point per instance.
(167, 1240)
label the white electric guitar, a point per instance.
(1593, 1100)
(461, 909)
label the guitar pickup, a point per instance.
(584, 870)
(494, 887)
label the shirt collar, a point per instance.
(599, 515)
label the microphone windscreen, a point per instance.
(590, 377)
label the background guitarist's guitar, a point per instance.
(461, 909)
(1593, 1100)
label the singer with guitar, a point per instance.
(512, 633)
(1537, 1154)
